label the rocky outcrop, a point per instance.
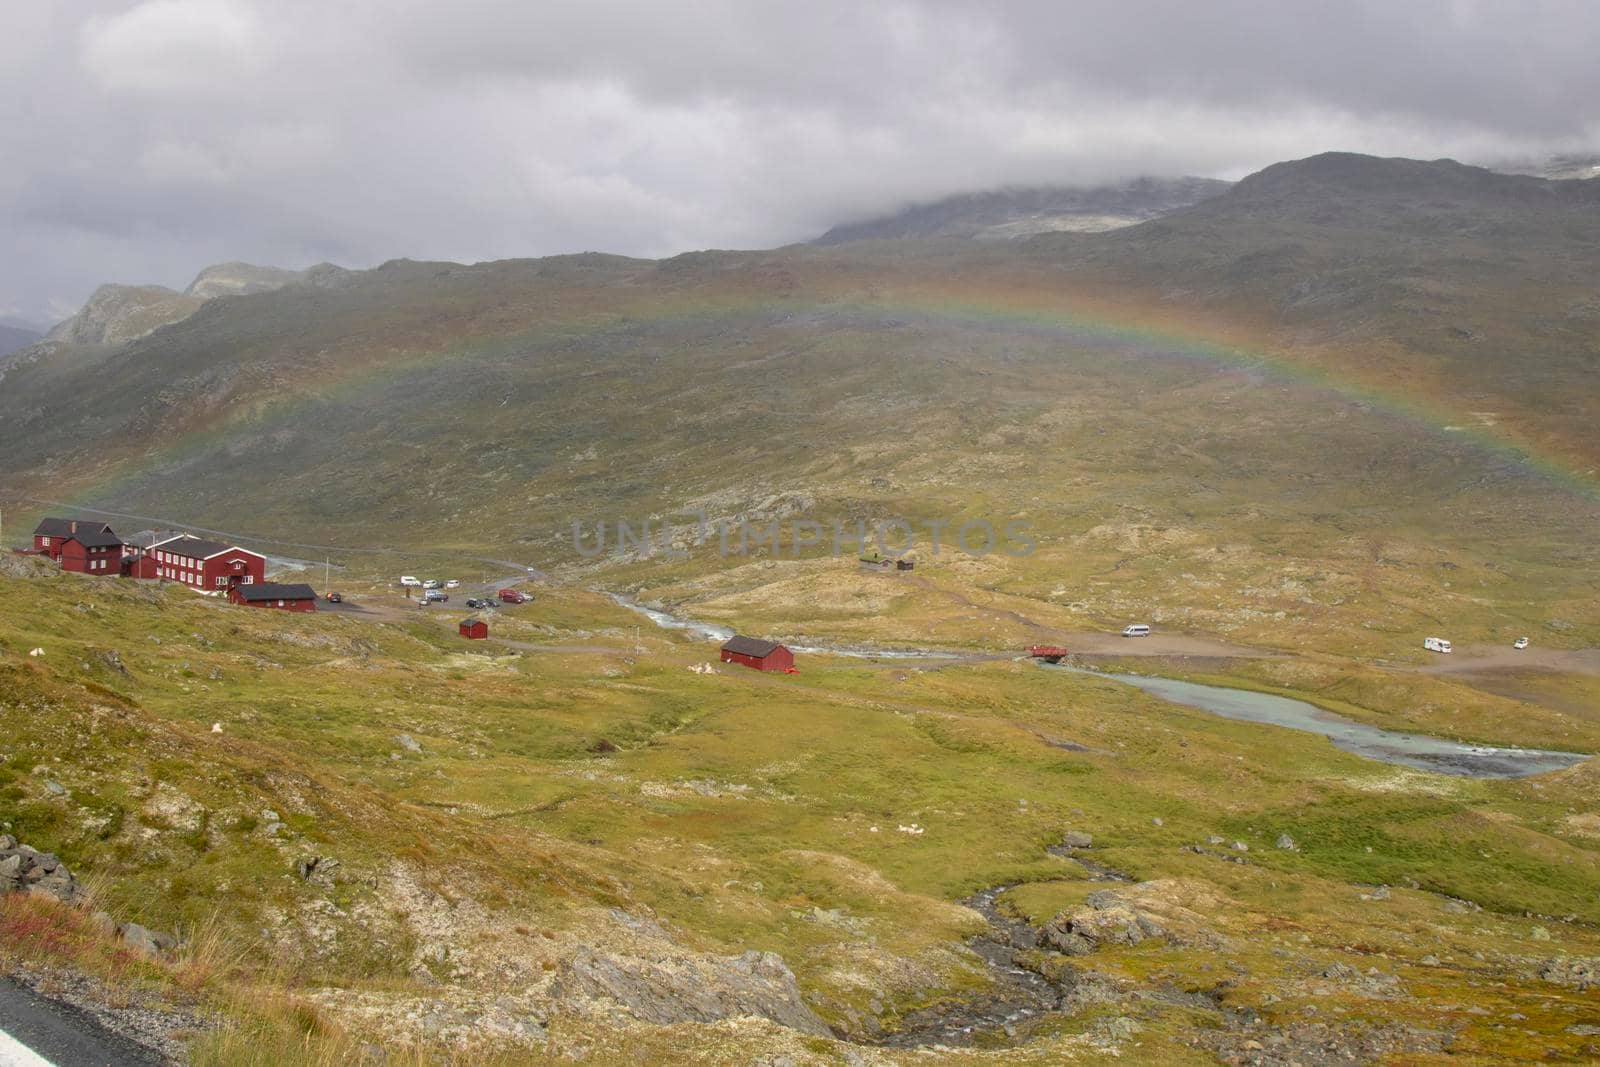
(116, 314)
(24, 870)
(239, 279)
(664, 984)
(1170, 908)
(1103, 919)
(1575, 972)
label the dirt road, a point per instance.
(1473, 659)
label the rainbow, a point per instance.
(983, 307)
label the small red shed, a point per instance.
(89, 551)
(287, 597)
(758, 654)
(474, 629)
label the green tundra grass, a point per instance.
(741, 811)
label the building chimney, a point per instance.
(72, 526)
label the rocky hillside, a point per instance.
(239, 279)
(117, 314)
(1344, 368)
(1008, 213)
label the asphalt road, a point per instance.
(36, 1032)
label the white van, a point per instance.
(1138, 629)
(1436, 644)
(406, 579)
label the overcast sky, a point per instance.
(144, 139)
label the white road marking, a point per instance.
(14, 1053)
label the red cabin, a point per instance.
(295, 597)
(89, 551)
(50, 533)
(474, 629)
(758, 654)
(209, 566)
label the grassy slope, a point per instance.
(733, 805)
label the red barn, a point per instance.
(759, 654)
(89, 551)
(474, 629)
(50, 533)
(295, 597)
(209, 566)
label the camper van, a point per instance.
(406, 579)
(1138, 629)
(1436, 644)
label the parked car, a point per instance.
(406, 579)
(1520, 643)
(1138, 629)
(435, 596)
(452, 584)
(335, 598)
(431, 583)
(514, 596)
(479, 602)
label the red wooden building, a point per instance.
(759, 654)
(50, 533)
(291, 597)
(474, 629)
(90, 551)
(209, 566)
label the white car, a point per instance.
(1138, 629)
(1520, 643)
(406, 579)
(452, 584)
(431, 583)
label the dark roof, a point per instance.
(53, 527)
(474, 621)
(196, 547)
(95, 539)
(750, 646)
(275, 591)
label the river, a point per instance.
(1440, 755)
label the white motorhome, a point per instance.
(1138, 629)
(406, 579)
(1436, 644)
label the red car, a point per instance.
(514, 596)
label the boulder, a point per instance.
(1167, 908)
(1076, 839)
(151, 944)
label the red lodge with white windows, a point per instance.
(207, 566)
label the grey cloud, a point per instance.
(145, 138)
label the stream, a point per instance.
(1439, 755)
